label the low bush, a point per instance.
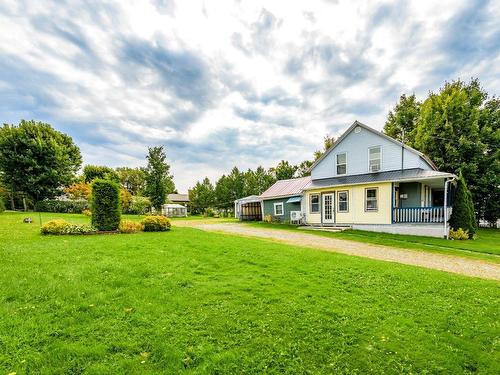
(128, 226)
(156, 224)
(65, 207)
(87, 212)
(459, 234)
(60, 226)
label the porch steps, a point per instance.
(326, 228)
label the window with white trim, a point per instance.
(371, 199)
(278, 209)
(374, 159)
(314, 203)
(342, 163)
(343, 201)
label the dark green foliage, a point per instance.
(92, 172)
(403, 118)
(70, 206)
(459, 129)
(284, 170)
(159, 181)
(139, 205)
(106, 210)
(462, 215)
(36, 159)
(156, 224)
(201, 196)
(256, 182)
(2, 205)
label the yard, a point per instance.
(214, 303)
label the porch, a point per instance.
(420, 202)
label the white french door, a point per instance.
(328, 208)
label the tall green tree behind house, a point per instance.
(284, 170)
(229, 188)
(487, 192)
(256, 182)
(93, 172)
(449, 132)
(201, 196)
(37, 160)
(159, 181)
(462, 215)
(403, 119)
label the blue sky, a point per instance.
(224, 83)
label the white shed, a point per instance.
(174, 210)
(248, 208)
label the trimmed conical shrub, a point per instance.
(463, 215)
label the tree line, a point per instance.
(205, 195)
(38, 163)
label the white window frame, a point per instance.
(380, 159)
(376, 199)
(337, 164)
(346, 201)
(311, 204)
(282, 209)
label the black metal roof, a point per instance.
(396, 175)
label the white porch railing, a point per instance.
(419, 214)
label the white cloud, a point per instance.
(226, 83)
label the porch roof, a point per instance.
(414, 174)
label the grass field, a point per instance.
(485, 246)
(201, 302)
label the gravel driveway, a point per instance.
(448, 263)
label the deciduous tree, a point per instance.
(159, 181)
(36, 159)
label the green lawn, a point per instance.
(204, 302)
(485, 246)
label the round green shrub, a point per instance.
(59, 226)
(156, 224)
(106, 210)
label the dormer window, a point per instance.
(342, 163)
(374, 159)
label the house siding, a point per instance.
(356, 213)
(356, 146)
(287, 208)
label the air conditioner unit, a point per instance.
(374, 168)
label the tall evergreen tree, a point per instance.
(159, 181)
(462, 215)
(201, 196)
(284, 170)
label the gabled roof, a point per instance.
(357, 123)
(178, 197)
(388, 176)
(286, 188)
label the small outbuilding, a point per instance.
(248, 208)
(174, 210)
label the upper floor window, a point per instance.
(374, 157)
(342, 163)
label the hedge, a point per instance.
(106, 210)
(68, 207)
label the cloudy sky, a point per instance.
(223, 83)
